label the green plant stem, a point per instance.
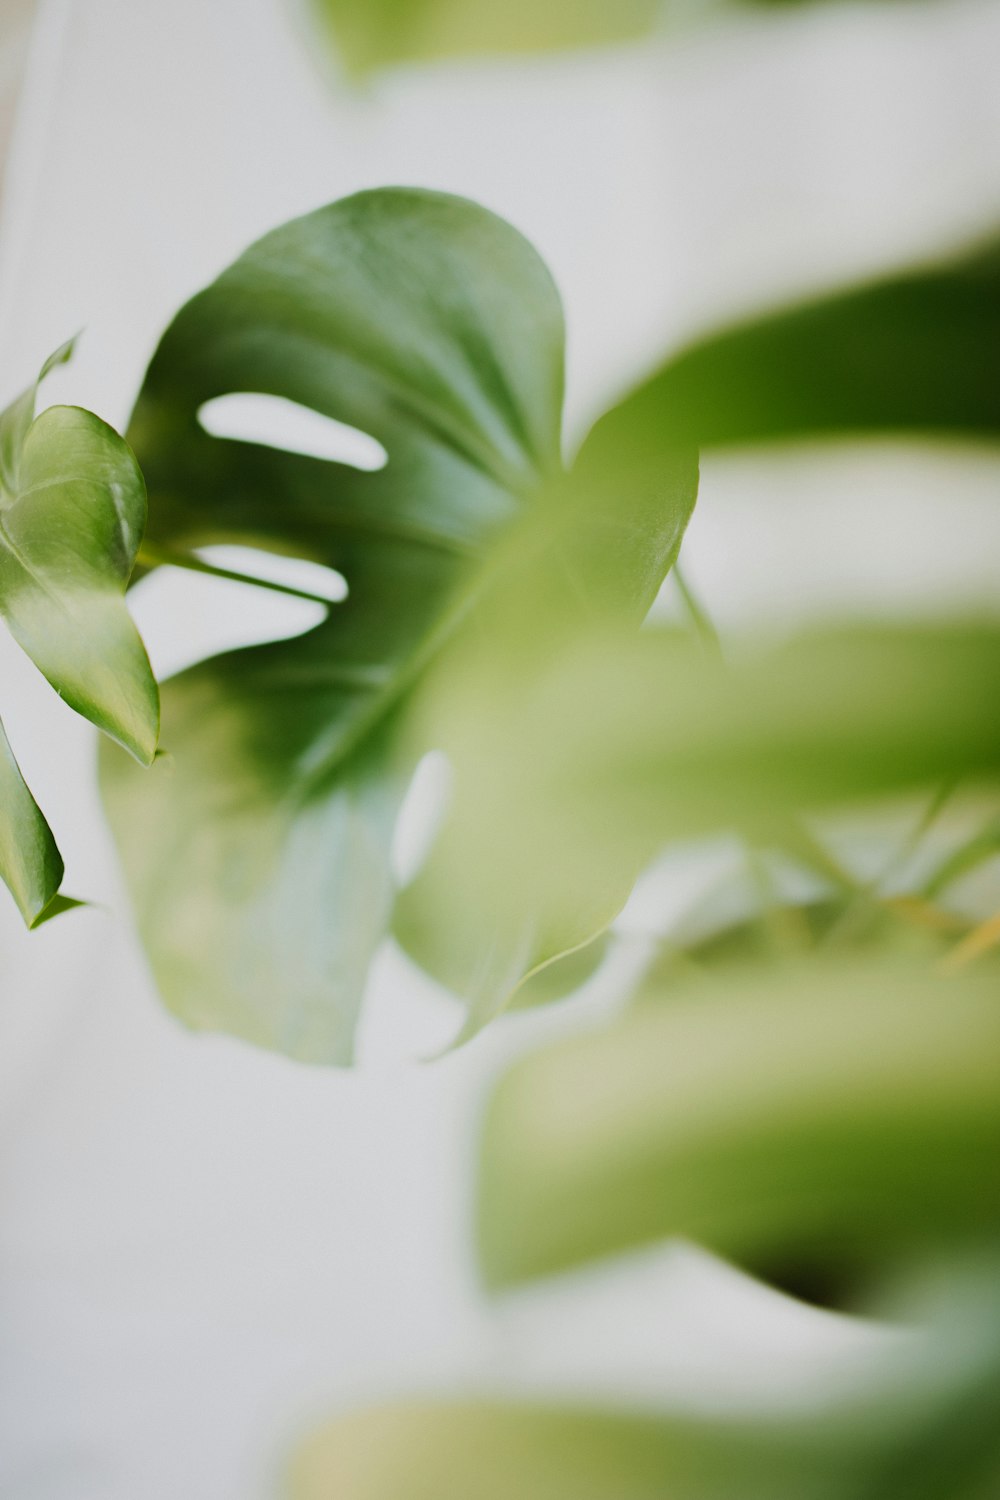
(696, 613)
(868, 895)
(151, 556)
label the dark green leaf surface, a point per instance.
(848, 1109)
(259, 858)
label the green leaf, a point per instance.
(483, 914)
(913, 352)
(574, 769)
(624, 744)
(497, 1451)
(372, 34)
(259, 859)
(925, 1426)
(72, 511)
(849, 1110)
(30, 863)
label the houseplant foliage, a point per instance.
(925, 1427)
(72, 512)
(809, 1089)
(260, 859)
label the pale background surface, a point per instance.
(201, 1246)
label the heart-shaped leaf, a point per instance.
(260, 859)
(72, 510)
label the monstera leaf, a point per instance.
(72, 511)
(260, 858)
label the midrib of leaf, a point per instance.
(383, 702)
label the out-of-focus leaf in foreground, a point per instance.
(846, 1109)
(928, 1429)
(642, 741)
(369, 35)
(621, 745)
(72, 511)
(260, 858)
(914, 352)
(372, 34)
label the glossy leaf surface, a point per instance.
(72, 512)
(259, 859)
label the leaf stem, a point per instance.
(153, 556)
(696, 613)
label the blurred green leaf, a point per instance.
(846, 1108)
(927, 1428)
(372, 34)
(369, 35)
(497, 1451)
(982, 846)
(591, 563)
(259, 858)
(919, 351)
(619, 745)
(72, 512)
